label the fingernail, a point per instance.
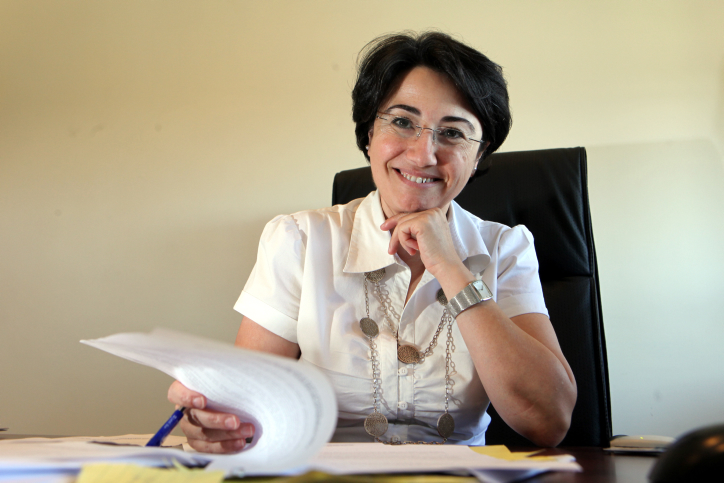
(231, 422)
(247, 431)
(199, 402)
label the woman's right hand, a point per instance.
(208, 431)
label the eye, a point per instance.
(451, 134)
(402, 123)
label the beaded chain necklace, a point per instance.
(376, 424)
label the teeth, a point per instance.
(417, 180)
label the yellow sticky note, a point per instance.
(127, 473)
(502, 452)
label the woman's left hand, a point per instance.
(426, 232)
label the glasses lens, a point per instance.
(452, 137)
(400, 125)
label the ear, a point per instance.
(478, 157)
(475, 165)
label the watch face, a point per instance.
(483, 290)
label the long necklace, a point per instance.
(376, 424)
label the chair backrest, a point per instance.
(546, 191)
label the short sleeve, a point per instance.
(272, 293)
(519, 288)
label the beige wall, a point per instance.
(143, 145)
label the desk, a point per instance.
(600, 467)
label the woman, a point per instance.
(361, 290)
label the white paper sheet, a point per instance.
(291, 403)
(37, 455)
(364, 458)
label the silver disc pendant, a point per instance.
(369, 327)
(376, 424)
(375, 276)
(408, 354)
(445, 425)
(441, 297)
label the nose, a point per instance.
(432, 133)
(422, 149)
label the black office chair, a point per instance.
(546, 191)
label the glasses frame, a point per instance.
(421, 128)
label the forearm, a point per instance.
(531, 388)
(519, 364)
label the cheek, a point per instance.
(382, 149)
(461, 163)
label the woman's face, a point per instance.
(417, 174)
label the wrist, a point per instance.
(454, 278)
(474, 293)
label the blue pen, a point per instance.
(166, 428)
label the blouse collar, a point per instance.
(368, 243)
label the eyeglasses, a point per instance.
(405, 128)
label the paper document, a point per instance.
(291, 403)
(66, 455)
(121, 473)
(363, 458)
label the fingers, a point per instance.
(182, 396)
(402, 235)
(207, 430)
(391, 222)
(402, 238)
(219, 447)
(425, 233)
(213, 419)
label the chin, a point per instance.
(415, 207)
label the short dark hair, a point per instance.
(383, 62)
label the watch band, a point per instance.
(473, 294)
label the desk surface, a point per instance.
(600, 466)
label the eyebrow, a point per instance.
(416, 112)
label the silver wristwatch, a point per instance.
(474, 293)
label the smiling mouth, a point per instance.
(416, 179)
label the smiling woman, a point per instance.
(417, 168)
(365, 290)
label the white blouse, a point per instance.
(308, 287)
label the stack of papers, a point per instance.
(60, 459)
(292, 406)
(376, 458)
(29, 459)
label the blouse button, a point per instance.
(402, 371)
(402, 405)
